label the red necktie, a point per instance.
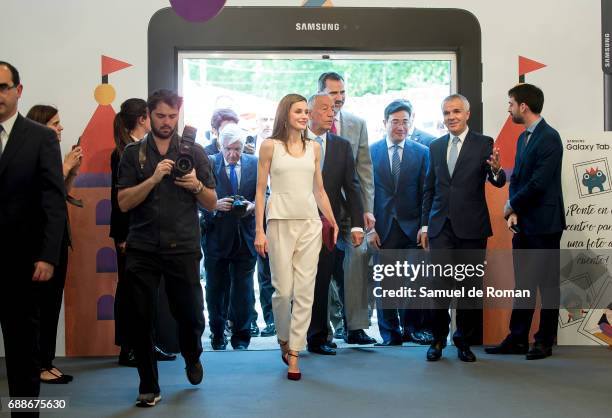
(333, 128)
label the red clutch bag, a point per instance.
(328, 234)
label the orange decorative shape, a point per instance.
(104, 94)
(110, 65)
(506, 142)
(97, 141)
(527, 65)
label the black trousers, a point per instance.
(317, 330)
(49, 300)
(181, 274)
(229, 283)
(469, 320)
(533, 273)
(389, 320)
(122, 302)
(19, 319)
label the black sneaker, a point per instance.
(254, 329)
(195, 372)
(148, 400)
(268, 331)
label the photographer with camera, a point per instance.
(229, 253)
(162, 180)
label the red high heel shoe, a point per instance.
(293, 375)
(284, 351)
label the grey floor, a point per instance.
(367, 382)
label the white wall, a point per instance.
(57, 45)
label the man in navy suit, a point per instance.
(342, 187)
(455, 213)
(218, 120)
(535, 214)
(418, 135)
(400, 166)
(228, 244)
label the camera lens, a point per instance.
(184, 165)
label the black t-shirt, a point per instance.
(167, 220)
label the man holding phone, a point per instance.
(535, 214)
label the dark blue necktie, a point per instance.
(395, 164)
(233, 178)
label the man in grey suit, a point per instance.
(355, 258)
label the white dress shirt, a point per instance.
(7, 126)
(390, 146)
(461, 136)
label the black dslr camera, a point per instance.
(185, 161)
(239, 207)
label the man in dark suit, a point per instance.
(354, 289)
(535, 211)
(218, 120)
(418, 135)
(229, 253)
(32, 221)
(342, 187)
(455, 213)
(400, 166)
(265, 122)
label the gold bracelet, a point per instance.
(199, 188)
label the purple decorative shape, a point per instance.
(105, 308)
(197, 10)
(106, 260)
(93, 180)
(103, 212)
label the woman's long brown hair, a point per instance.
(280, 130)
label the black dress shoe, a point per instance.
(194, 372)
(508, 347)
(322, 349)
(358, 336)
(331, 344)
(127, 357)
(218, 343)
(388, 343)
(161, 356)
(268, 331)
(539, 351)
(254, 329)
(435, 351)
(465, 354)
(417, 337)
(339, 334)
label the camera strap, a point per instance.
(142, 153)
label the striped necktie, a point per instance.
(395, 164)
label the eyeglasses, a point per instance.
(5, 87)
(396, 122)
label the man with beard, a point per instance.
(536, 216)
(164, 238)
